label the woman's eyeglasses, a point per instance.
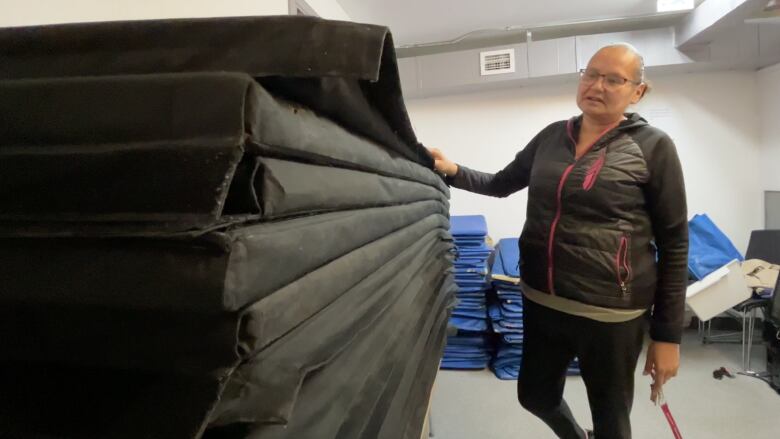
(611, 82)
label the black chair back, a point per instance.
(764, 245)
(774, 306)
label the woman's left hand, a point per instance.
(663, 360)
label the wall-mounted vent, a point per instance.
(496, 62)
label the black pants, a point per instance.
(608, 354)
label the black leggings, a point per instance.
(608, 355)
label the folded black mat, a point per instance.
(265, 389)
(269, 319)
(322, 406)
(346, 71)
(286, 129)
(217, 271)
(409, 397)
(362, 418)
(173, 151)
(286, 188)
(173, 401)
(215, 228)
(54, 401)
(192, 340)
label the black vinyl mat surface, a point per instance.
(215, 228)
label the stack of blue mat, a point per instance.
(471, 347)
(506, 312)
(709, 247)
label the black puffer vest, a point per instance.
(588, 234)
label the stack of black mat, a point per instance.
(215, 228)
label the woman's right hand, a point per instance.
(442, 163)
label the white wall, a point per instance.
(710, 116)
(769, 115)
(35, 12)
(329, 9)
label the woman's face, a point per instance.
(609, 84)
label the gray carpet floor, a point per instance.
(476, 405)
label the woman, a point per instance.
(603, 250)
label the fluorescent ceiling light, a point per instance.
(674, 5)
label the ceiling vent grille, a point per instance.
(496, 62)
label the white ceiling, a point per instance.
(426, 21)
